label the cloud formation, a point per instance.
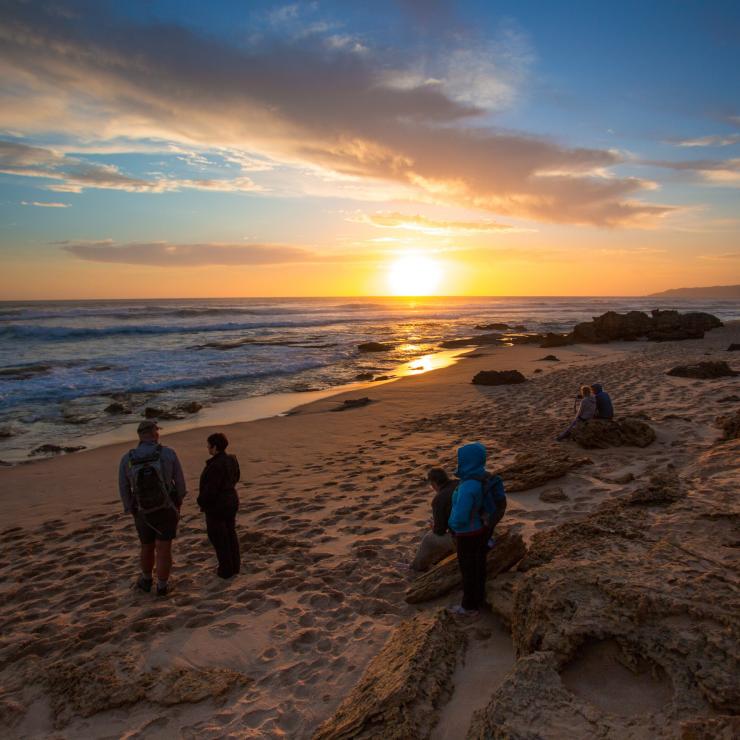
(165, 254)
(45, 204)
(73, 175)
(427, 225)
(306, 101)
(703, 141)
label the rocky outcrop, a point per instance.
(734, 348)
(117, 408)
(703, 370)
(631, 594)
(374, 347)
(660, 326)
(537, 467)
(549, 358)
(498, 377)
(602, 433)
(492, 327)
(50, 449)
(472, 341)
(553, 495)
(555, 340)
(730, 425)
(112, 681)
(445, 576)
(399, 694)
(353, 403)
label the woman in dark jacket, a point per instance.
(220, 502)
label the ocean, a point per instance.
(73, 371)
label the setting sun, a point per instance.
(414, 275)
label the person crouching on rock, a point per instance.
(219, 501)
(604, 408)
(586, 411)
(152, 487)
(437, 543)
(469, 529)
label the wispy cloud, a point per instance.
(704, 141)
(303, 101)
(724, 172)
(73, 175)
(45, 204)
(427, 225)
(166, 254)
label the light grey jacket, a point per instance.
(171, 468)
(587, 409)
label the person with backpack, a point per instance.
(478, 504)
(437, 542)
(219, 501)
(151, 484)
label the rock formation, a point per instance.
(445, 576)
(535, 468)
(631, 594)
(352, 403)
(602, 433)
(472, 341)
(374, 347)
(703, 370)
(730, 425)
(399, 694)
(734, 348)
(498, 377)
(549, 358)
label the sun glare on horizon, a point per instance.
(414, 275)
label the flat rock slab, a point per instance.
(398, 696)
(703, 370)
(603, 433)
(353, 403)
(532, 469)
(445, 576)
(498, 377)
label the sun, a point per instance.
(414, 275)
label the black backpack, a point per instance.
(147, 482)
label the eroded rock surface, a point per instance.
(730, 425)
(535, 468)
(400, 692)
(498, 377)
(637, 577)
(603, 433)
(114, 680)
(703, 370)
(445, 576)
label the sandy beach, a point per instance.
(331, 504)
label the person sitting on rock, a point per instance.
(437, 543)
(586, 411)
(604, 408)
(468, 528)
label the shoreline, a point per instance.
(330, 503)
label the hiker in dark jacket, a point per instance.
(220, 502)
(437, 542)
(604, 408)
(157, 526)
(470, 531)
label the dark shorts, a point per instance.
(157, 525)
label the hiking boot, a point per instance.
(163, 590)
(144, 584)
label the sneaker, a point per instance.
(457, 611)
(163, 590)
(144, 584)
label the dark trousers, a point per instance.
(222, 534)
(471, 557)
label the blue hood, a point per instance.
(597, 387)
(471, 461)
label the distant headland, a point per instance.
(714, 291)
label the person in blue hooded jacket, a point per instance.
(604, 408)
(469, 530)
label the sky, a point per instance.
(174, 148)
